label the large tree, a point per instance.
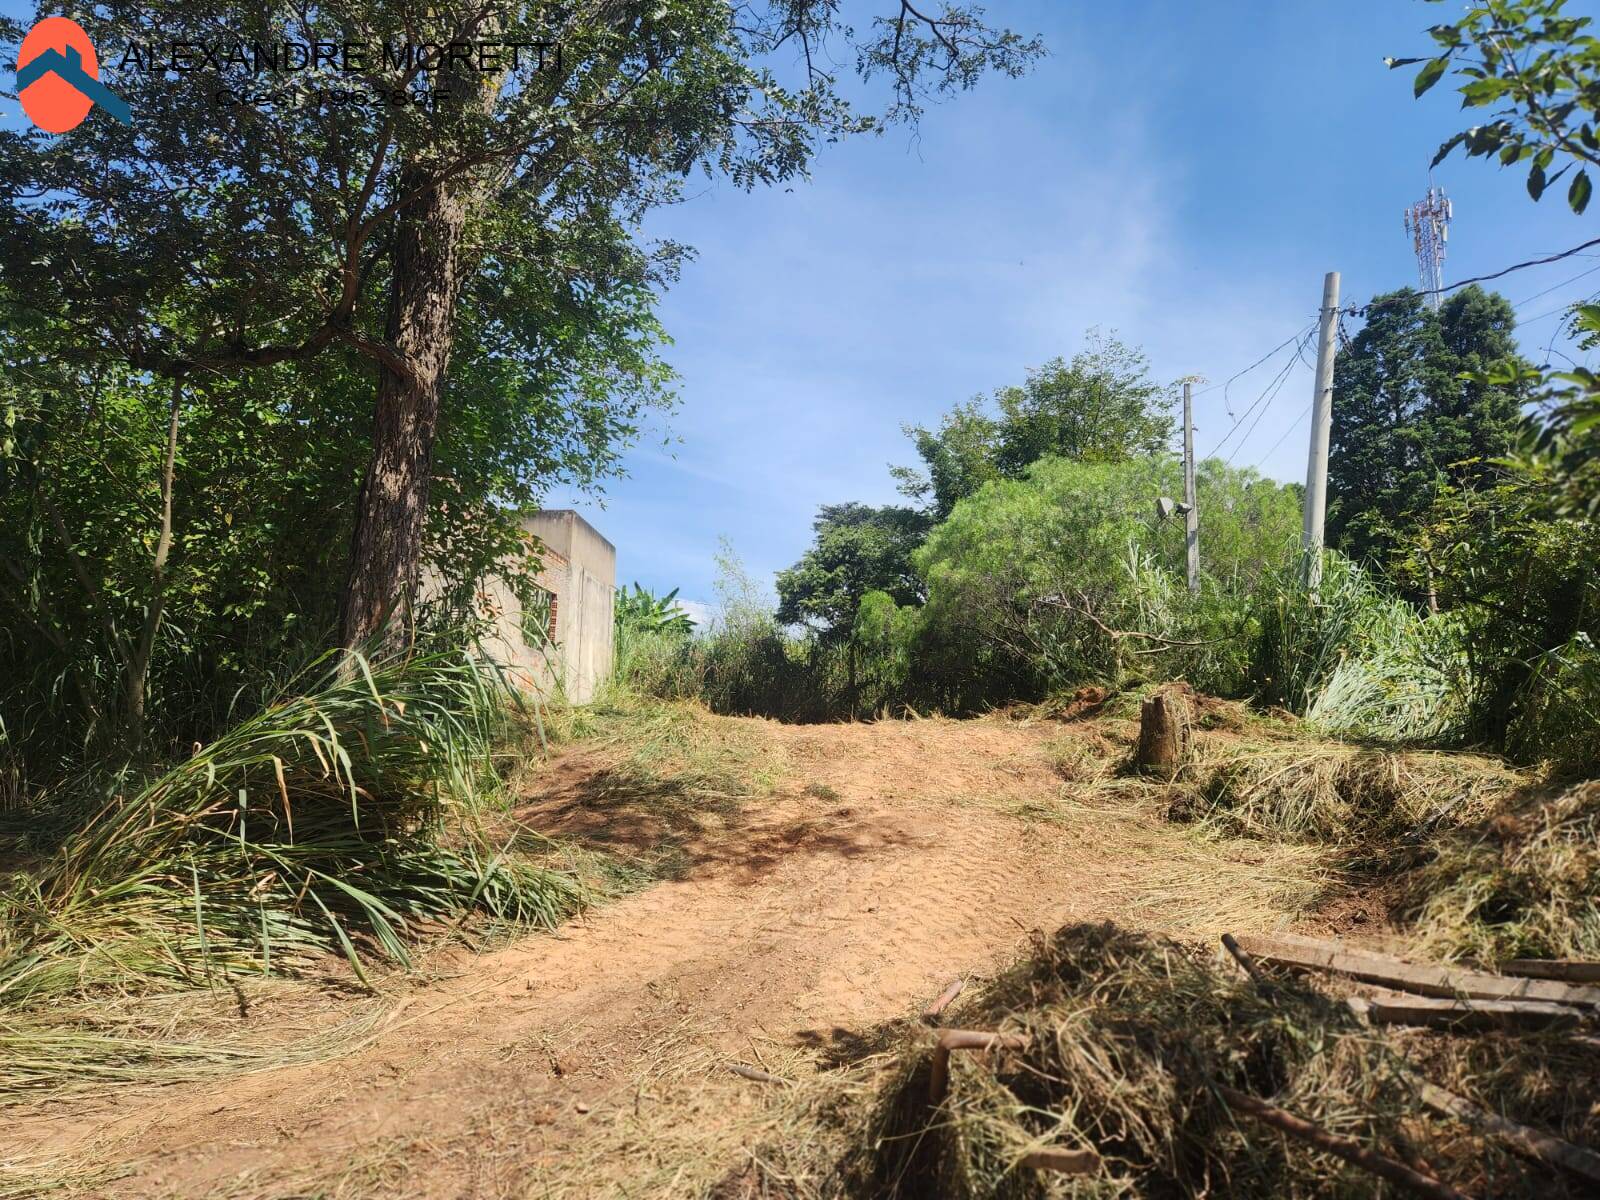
(1412, 415)
(1099, 406)
(858, 549)
(221, 233)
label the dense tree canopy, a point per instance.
(350, 319)
(858, 549)
(356, 209)
(1101, 406)
(1413, 413)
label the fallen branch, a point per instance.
(1341, 1147)
(753, 1073)
(1065, 1162)
(1536, 1145)
(936, 1009)
(1242, 957)
(1323, 955)
(963, 1039)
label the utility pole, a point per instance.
(1321, 427)
(1191, 516)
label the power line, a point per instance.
(1274, 383)
(1283, 377)
(1239, 374)
(1296, 425)
(1362, 310)
(1554, 286)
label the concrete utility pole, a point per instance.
(1191, 518)
(1321, 427)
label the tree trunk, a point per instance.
(1163, 734)
(386, 551)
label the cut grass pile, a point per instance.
(1129, 1038)
(1322, 791)
(1521, 882)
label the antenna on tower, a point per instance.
(1428, 223)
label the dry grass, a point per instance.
(1129, 1037)
(1520, 882)
(1335, 792)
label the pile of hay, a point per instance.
(1523, 882)
(1129, 1039)
(1340, 793)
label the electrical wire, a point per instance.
(1271, 390)
(1281, 437)
(1554, 286)
(1362, 310)
(1240, 374)
(1283, 377)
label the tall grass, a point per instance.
(1357, 660)
(338, 819)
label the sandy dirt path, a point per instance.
(890, 859)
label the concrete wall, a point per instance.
(581, 569)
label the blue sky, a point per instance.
(1181, 173)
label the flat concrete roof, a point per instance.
(578, 518)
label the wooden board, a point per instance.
(1566, 969)
(1322, 955)
(1397, 1008)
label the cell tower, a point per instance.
(1428, 223)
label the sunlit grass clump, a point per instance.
(339, 819)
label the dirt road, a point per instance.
(884, 861)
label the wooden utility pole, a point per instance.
(1321, 427)
(1191, 518)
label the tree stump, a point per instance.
(1163, 734)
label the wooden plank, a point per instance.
(1567, 970)
(1322, 955)
(1397, 1008)
(1521, 1138)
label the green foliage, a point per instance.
(858, 549)
(883, 641)
(642, 611)
(1101, 406)
(1561, 451)
(265, 470)
(1538, 69)
(653, 645)
(1415, 413)
(1067, 576)
(1520, 572)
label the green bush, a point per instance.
(1355, 659)
(1067, 576)
(1518, 569)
